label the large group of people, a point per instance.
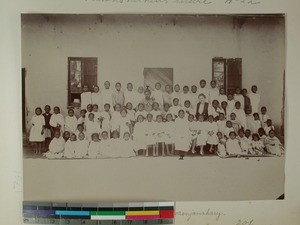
(194, 120)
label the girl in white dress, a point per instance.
(182, 141)
(193, 127)
(233, 146)
(56, 146)
(160, 136)
(222, 96)
(57, 120)
(71, 122)
(216, 109)
(212, 129)
(81, 119)
(37, 130)
(141, 111)
(157, 94)
(221, 149)
(170, 134)
(115, 117)
(81, 146)
(256, 123)
(221, 123)
(238, 97)
(139, 135)
(127, 146)
(244, 142)
(150, 134)
(240, 115)
(69, 152)
(94, 147)
(202, 134)
(105, 145)
(124, 123)
(257, 145)
(230, 104)
(185, 95)
(174, 109)
(105, 117)
(273, 145)
(254, 99)
(176, 94)
(91, 126)
(130, 112)
(187, 108)
(235, 123)
(263, 116)
(228, 129)
(107, 94)
(96, 112)
(155, 111)
(269, 126)
(80, 129)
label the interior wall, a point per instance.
(126, 44)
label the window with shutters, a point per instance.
(81, 71)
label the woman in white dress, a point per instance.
(37, 130)
(182, 141)
(71, 122)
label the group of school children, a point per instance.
(117, 123)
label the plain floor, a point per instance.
(154, 179)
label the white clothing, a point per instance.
(71, 124)
(182, 141)
(174, 110)
(257, 125)
(222, 98)
(127, 148)
(131, 96)
(254, 100)
(56, 148)
(221, 126)
(70, 149)
(241, 117)
(268, 128)
(144, 113)
(176, 95)
(92, 127)
(81, 120)
(204, 91)
(86, 99)
(158, 97)
(106, 148)
(115, 120)
(106, 126)
(139, 136)
(150, 132)
(245, 144)
(212, 130)
(251, 124)
(202, 134)
(230, 107)
(233, 147)
(37, 125)
(194, 100)
(170, 132)
(160, 133)
(257, 145)
(184, 97)
(124, 125)
(107, 97)
(167, 98)
(97, 99)
(155, 113)
(227, 131)
(189, 111)
(94, 149)
(240, 98)
(81, 148)
(263, 119)
(214, 94)
(56, 120)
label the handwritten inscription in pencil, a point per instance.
(202, 2)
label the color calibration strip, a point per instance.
(99, 213)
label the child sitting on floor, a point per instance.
(81, 146)
(70, 147)
(233, 146)
(273, 145)
(56, 146)
(221, 149)
(257, 145)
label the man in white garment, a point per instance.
(254, 99)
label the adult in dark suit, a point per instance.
(203, 108)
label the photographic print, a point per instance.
(153, 106)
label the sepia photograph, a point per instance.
(187, 107)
